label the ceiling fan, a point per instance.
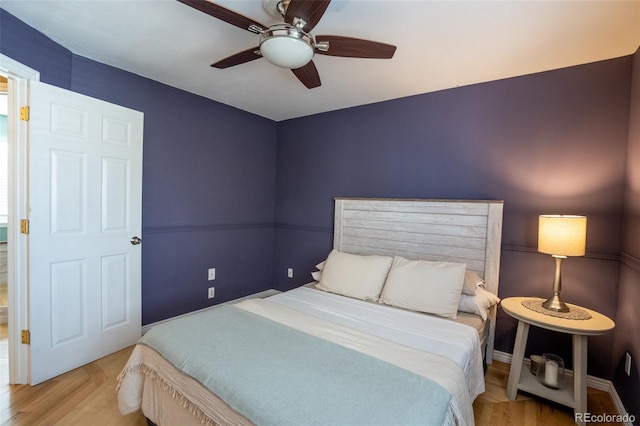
(290, 44)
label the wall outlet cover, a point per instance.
(627, 363)
(211, 292)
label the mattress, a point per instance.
(466, 318)
(167, 396)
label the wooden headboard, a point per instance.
(464, 231)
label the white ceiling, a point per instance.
(441, 44)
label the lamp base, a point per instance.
(554, 303)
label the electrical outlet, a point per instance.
(211, 292)
(212, 274)
(627, 364)
(290, 272)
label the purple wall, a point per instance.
(208, 178)
(553, 142)
(628, 315)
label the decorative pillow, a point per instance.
(471, 282)
(425, 286)
(479, 303)
(352, 275)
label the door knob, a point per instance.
(135, 241)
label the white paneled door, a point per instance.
(85, 189)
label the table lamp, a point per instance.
(561, 236)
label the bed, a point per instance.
(367, 342)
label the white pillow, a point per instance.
(479, 303)
(425, 286)
(352, 275)
(471, 279)
(471, 282)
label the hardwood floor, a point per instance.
(84, 396)
(87, 396)
(492, 408)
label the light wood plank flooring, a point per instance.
(84, 396)
(492, 408)
(87, 396)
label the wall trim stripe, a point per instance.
(625, 258)
(592, 382)
(630, 261)
(306, 228)
(205, 228)
(591, 253)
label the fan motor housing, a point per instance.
(275, 8)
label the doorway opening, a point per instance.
(4, 200)
(14, 367)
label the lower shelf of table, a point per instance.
(529, 383)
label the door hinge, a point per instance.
(24, 226)
(24, 113)
(26, 337)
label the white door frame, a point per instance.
(18, 248)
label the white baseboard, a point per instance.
(592, 382)
(618, 402)
(259, 295)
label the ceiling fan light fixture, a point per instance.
(286, 46)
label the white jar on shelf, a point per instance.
(551, 371)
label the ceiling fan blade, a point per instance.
(308, 75)
(239, 58)
(308, 10)
(355, 48)
(223, 14)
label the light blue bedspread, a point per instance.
(275, 375)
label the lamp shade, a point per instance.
(562, 235)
